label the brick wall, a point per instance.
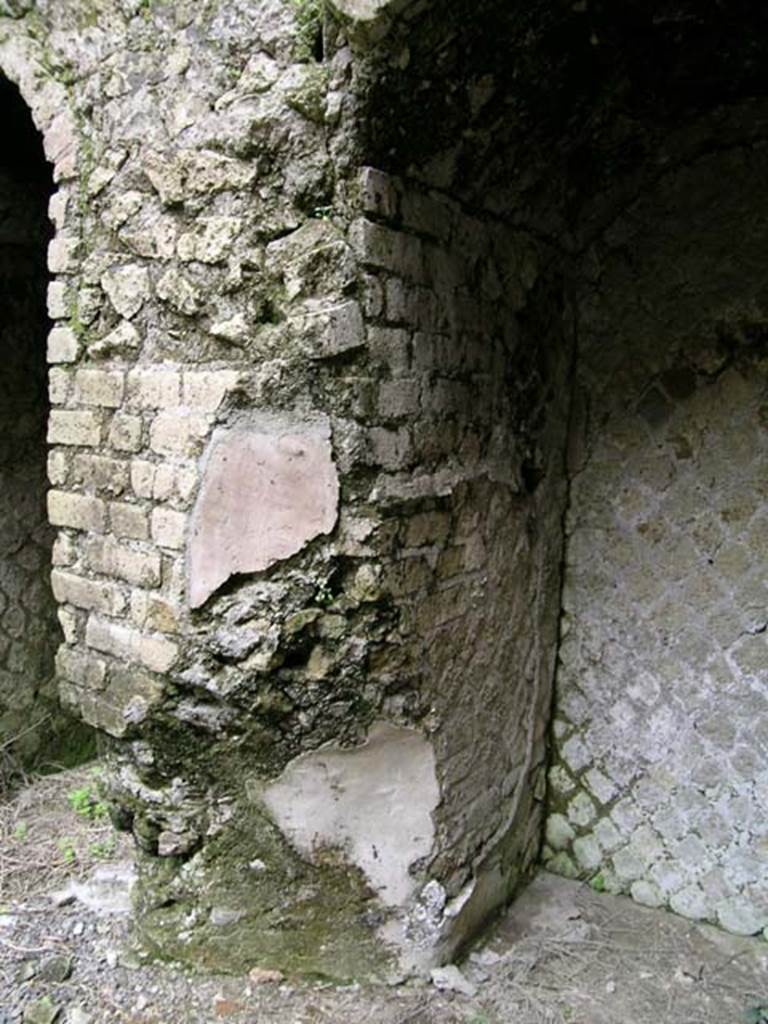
(468, 349)
(222, 283)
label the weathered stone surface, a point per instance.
(122, 341)
(77, 511)
(127, 287)
(450, 979)
(99, 387)
(131, 563)
(267, 490)
(174, 288)
(211, 242)
(88, 594)
(81, 668)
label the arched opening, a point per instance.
(29, 628)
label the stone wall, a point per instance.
(659, 780)
(29, 631)
(303, 456)
(311, 376)
(204, 293)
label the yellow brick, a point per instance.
(155, 652)
(76, 511)
(168, 528)
(94, 595)
(99, 387)
(66, 426)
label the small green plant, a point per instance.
(309, 25)
(322, 212)
(324, 595)
(598, 882)
(86, 803)
(80, 801)
(102, 849)
(757, 1015)
(67, 849)
(21, 831)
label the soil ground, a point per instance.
(562, 955)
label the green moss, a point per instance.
(309, 27)
(75, 323)
(307, 920)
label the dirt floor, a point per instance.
(563, 955)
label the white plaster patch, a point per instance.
(267, 490)
(374, 801)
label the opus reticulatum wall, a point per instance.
(660, 780)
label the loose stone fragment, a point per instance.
(222, 916)
(265, 976)
(41, 1011)
(55, 969)
(450, 979)
(77, 1015)
(224, 1007)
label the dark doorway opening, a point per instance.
(33, 728)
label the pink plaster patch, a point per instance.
(266, 491)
